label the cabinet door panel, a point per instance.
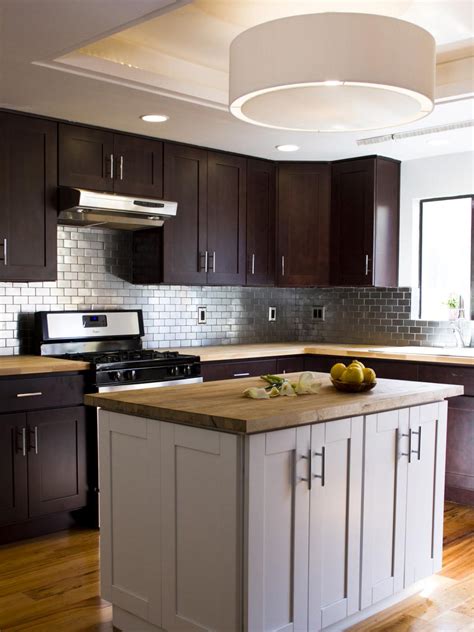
(56, 460)
(86, 158)
(277, 543)
(290, 364)
(226, 219)
(383, 520)
(303, 224)
(201, 517)
(353, 208)
(28, 185)
(130, 546)
(425, 491)
(185, 236)
(460, 452)
(261, 184)
(13, 469)
(335, 510)
(139, 166)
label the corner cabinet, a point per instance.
(295, 529)
(303, 224)
(365, 222)
(101, 160)
(28, 178)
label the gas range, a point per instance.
(111, 342)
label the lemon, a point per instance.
(337, 370)
(353, 375)
(357, 363)
(369, 376)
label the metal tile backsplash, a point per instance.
(93, 267)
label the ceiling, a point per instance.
(106, 62)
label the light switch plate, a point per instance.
(202, 315)
(319, 312)
(272, 314)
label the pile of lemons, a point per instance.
(355, 373)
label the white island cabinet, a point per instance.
(231, 515)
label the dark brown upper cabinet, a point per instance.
(226, 219)
(303, 224)
(28, 180)
(103, 161)
(365, 222)
(138, 166)
(261, 185)
(86, 158)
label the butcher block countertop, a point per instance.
(410, 354)
(222, 406)
(31, 365)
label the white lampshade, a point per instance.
(330, 72)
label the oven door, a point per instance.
(135, 386)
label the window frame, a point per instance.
(420, 244)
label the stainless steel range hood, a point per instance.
(79, 207)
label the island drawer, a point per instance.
(448, 375)
(33, 393)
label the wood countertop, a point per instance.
(222, 406)
(381, 352)
(30, 365)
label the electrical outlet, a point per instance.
(272, 314)
(319, 312)
(202, 315)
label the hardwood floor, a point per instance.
(51, 584)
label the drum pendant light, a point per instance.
(330, 72)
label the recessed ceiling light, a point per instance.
(154, 118)
(287, 147)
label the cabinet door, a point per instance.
(138, 166)
(353, 208)
(201, 529)
(276, 550)
(130, 510)
(291, 364)
(303, 224)
(13, 469)
(28, 184)
(261, 183)
(425, 491)
(185, 236)
(86, 158)
(226, 219)
(383, 520)
(334, 522)
(460, 451)
(56, 460)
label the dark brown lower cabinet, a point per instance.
(460, 451)
(240, 368)
(56, 460)
(13, 468)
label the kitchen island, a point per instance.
(306, 513)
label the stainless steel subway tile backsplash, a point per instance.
(93, 273)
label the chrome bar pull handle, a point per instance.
(21, 433)
(366, 265)
(310, 468)
(283, 265)
(214, 261)
(206, 262)
(111, 166)
(322, 476)
(5, 251)
(121, 168)
(418, 450)
(408, 454)
(34, 446)
(203, 255)
(33, 394)
(253, 263)
(241, 374)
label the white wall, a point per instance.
(439, 176)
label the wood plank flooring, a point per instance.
(51, 584)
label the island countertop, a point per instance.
(222, 406)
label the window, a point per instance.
(445, 256)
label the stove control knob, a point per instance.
(188, 369)
(173, 370)
(117, 376)
(130, 375)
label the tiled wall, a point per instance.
(92, 272)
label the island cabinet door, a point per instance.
(384, 507)
(334, 521)
(130, 543)
(276, 539)
(426, 444)
(201, 474)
